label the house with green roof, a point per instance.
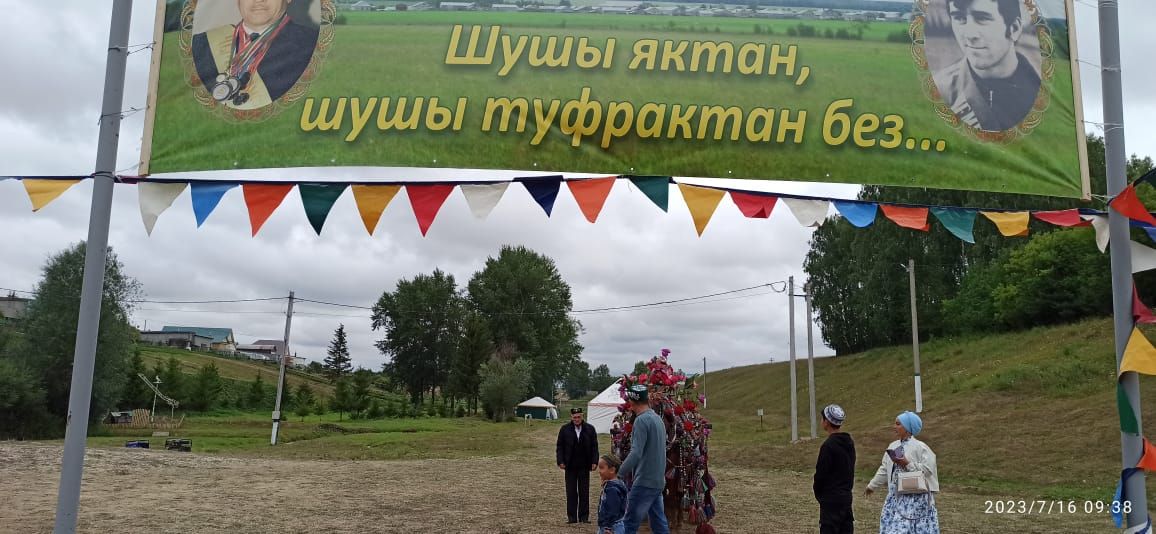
(221, 338)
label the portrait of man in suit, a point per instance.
(251, 63)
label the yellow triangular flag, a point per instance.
(1010, 223)
(371, 201)
(702, 202)
(43, 192)
(1139, 355)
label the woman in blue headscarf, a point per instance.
(910, 506)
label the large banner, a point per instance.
(961, 94)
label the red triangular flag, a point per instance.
(1148, 457)
(913, 218)
(591, 194)
(1140, 313)
(1129, 205)
(1065, 218)
(426, 200)
(262, 200)
(753, 205)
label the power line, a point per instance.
(233, 301)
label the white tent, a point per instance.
(602, 410)
(537, 408)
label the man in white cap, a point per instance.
(835, 475)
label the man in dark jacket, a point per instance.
(577, 455)
(835, 475)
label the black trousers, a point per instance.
(836, 518)
(578, 494)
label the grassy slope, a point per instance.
(232, 369)
(1026, 414)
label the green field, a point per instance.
(233, 369)
(403, 54)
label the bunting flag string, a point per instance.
(318, 201)
(907, 217)
(1129, 205)
(1010, 224)
(483, 198)
(859, 214)
(544, 191)
(1139, 355)
(754, 205)
(591, 194)
(155, 199)
(656, 188)
(262, 200)
(426, 200)
(960, 222)
(43, 191)
(701, 201)
(371, 201)
(206, 196)
(810, 213)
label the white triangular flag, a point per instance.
(1143, 258)
(1100, 223)
(483, 197)
(810, 213)
(155, 198)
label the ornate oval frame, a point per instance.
(201, 94)
(931, 91)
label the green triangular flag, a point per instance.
(318, 199)
(960, 222)
(656, 188)
(1127, 416)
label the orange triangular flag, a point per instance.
(1128, 204)
(1148, 457)
(371, 202)
(913, 218)
(591, 194)
(702, 201)
(42, 192)
(1010, 223)
(262, 200)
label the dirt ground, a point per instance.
(152, 491)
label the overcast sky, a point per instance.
(53, 71)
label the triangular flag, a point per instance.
(262, 200)
(544, 190)
(809, 213)
(1100, 223)
(155, 198)
(590, 194)
(42, 192)
(483, 197)
(1143, 257)
(1121, 496)
(1065, 218)
(913, 218)
(1139, 355)
(1140, 313)
(1010, 223)
(1148, 457)
(206, 196)
(960, 222)
(1128, 423)
(656, 188)
(371, 201)
(426, 200)
(1129, 205)
(701, 201)
(754, 205)
(1151, 231)
(859, 214)
(318, 200)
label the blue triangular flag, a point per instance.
(1151, 233)
(960, 222)
(859, 214)
(544, 189)
(206, 196)
(1120, 497)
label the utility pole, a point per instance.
(704, 381)
(153, 412)
(1115, 159)
(811, 362)
(915, 336)
(281, 375)
(791, 338)
(92, 286)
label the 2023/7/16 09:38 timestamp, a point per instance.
(1025, 507)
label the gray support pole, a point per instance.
(915, 337)
(281, 374)
(811, 365)
(1115, 159)
(704, 381)
(92, 288)
(791, 337)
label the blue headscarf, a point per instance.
(911, 422)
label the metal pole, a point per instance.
(704, 381)
(791, 337)
(1131, 445)
(811, 364)
(92, 288)
(154, 410)
(915, 337)
(281, 374)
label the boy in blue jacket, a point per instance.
(612, 503)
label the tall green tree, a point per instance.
(476, 347)
(49, 328)
(359, 393)
(136, 394)
(255, 398)
(337, 363)
(639, 368)
(23, 412)
(343, 400)
(206, 388)
(421, 320)
(503, 385)
(304, 400)
(527, 304)
(577, 380)
(173, 383)
(600, 378)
